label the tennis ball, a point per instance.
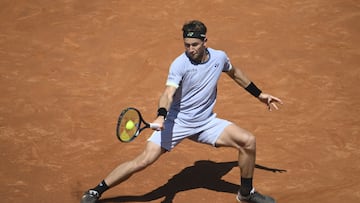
(129, 125)
(124, 136)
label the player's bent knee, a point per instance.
(142, 164)
(146, 158)
(251, 142)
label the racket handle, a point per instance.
(154, 126)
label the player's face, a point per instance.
(195, 48)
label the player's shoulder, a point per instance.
(179, 63)
(217, 52)
(181, 58)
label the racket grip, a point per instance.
(154, 126)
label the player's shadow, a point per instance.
(203, 174)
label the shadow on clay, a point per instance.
(203, 174)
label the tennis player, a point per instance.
(186, 111)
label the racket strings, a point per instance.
(125, 134)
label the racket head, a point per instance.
(123, 132)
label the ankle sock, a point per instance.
(101, 188)
(246, 186)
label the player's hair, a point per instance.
(195, 26)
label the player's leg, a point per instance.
(151, 153)
(245, 143)
(123, 171)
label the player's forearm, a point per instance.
(239, 77)
(164, 106)
(167, 97)
(165, 101)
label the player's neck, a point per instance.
(205, 56)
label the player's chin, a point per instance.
(194, 57)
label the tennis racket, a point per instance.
(130, 124)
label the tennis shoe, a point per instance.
(255, 197)
(90, 196)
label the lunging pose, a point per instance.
(186, 111)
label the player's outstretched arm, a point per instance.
(241, 79)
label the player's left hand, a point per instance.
(270, 101)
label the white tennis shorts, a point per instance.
(174, 133)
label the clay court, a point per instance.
(67, 69)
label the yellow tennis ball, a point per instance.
(124, 136)
(129, 125)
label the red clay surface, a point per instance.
(67, 68)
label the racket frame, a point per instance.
(142, 125)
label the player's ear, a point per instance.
(205, 40)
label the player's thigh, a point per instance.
(234, 136)
(150, 154)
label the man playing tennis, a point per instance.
(186, 111)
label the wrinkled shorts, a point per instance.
(174, 133)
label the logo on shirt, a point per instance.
(191, 70)
(217, 65)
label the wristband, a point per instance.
(162, 112)
(253, 90)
